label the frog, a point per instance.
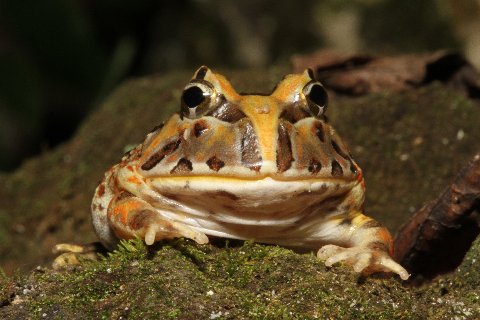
(263, 167)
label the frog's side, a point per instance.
(262, 167)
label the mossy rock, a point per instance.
(410, 145)
(181, 280)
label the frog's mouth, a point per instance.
(247, 195)
(328, 171)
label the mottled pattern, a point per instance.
(249, 147)
(159, 155)
(284, 148)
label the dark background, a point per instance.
(60, 58)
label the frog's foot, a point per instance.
(74, 254)
(134, 218)
(363, 259)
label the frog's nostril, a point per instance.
(315, 166)
(200, 128)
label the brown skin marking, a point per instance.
(337, 170)
(284, 149)
(101, 190)
(215, 164)
(201, 73)
(346, 221)
(172, 196)
(340, 151)
(183, 166)
(379, 245)
(140, 219)
(160, 126)
(124, 195)
(334, 201)
(168, 149)
(222, 194)
(227, 111)
(249, 146)
(294, 113)
(371, 224)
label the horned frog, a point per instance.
(263, 167)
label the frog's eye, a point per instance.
(317, 98)
(196, 99)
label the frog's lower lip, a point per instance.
(247, 179)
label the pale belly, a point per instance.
(267, 210)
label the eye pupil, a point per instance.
(317, 98)
(193, 97)
(318, 95)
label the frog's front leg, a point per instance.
(132, 217)
(363, 243)
(127, 216)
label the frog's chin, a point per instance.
(251, 209)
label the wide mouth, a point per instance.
(264, 177)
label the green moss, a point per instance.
(182, 280)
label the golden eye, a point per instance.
(196, 99)
(317, 98)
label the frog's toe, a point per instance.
(327, 251)
(362, 259)
(74, 254)
(162, 229)
(387, 264)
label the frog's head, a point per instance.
(219, 132)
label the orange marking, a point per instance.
(123, 209)
(360, 176)
(384, 236)
(226, 87)
(292, 83)
(134, 180)
(199, 157)
(264, 124)
(172, 158)
(101, 190)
